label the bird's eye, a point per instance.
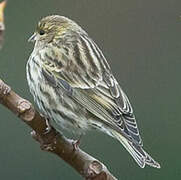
(42, 32)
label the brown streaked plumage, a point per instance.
(74, 87)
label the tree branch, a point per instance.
(54, 142)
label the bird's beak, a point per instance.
(32, 38)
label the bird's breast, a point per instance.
(52, 102)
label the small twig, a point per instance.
(86, 165)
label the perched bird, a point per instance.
(74, 87)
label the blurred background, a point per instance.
(142, 42)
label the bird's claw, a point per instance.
(76, 144)
(48, 128)
(46, 146)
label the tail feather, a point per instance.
(137, 152)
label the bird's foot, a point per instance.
(45, 144)
(76, 143)
(48, 128)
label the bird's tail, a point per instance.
(137, 152)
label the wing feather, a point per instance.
(96, 89)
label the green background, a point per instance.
(141, 39)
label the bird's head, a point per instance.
(53, 27)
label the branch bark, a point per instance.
(54, 142)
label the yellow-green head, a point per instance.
(53, 27)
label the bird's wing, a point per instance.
(88, 79)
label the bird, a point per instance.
(75, 89)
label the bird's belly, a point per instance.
(62, 111)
